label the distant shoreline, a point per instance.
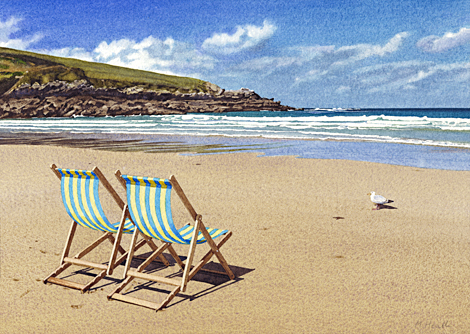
(430, 157)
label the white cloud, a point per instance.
(266, 64)
(410, 74)
(152, 54)
(310, 52)
(244, 38)
(343, 89)
(435, 44)
(359, 52)
(78, 53)
(8, 27)
(105, 50)
(11, 26)
(320, 62)
(421, 75)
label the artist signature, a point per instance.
(433, 324)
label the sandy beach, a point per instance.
(310, 254)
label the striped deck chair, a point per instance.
(149, 205)
(80, 197)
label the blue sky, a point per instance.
(304, 53)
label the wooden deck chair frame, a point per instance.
(189, 271)
(125, 225)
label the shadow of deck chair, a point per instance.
(149, 205)
(80, 196)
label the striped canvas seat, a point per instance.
(82, 203)
(149, 203)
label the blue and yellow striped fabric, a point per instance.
(149, 203)
(81, 200)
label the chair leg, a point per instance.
(70, 236)
(154, 248)
(117, 242)
(206, 259)
(123, 257)
(67, 262)
(169, 298)
(65, 253)
(192, 248)
(57, 272)
(97, 278)
(216, 251)
(130, 254)
(175, 256)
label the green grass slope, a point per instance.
(19, 67)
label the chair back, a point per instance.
(149, 203)
(81, 199)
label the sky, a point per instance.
(329, 53)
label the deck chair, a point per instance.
(149, 205)
(80, 197)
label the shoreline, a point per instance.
(307, 248)
(422, 156)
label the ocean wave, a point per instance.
(416, 130)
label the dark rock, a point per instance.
(64, 99)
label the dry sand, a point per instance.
(311, 254)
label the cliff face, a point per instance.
(63, 99)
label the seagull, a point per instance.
(377, 199)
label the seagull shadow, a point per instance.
(383, 206)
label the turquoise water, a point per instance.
(430, 138)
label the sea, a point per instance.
(425, 138)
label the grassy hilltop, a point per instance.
(20, 67)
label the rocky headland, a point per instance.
(37, 85)
(80, 98)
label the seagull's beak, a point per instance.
(368, 194)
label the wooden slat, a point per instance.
(149, 277)
(85, 263)
(130, 254)
(70, 236)
(153, 256)
(94, 281)
(93, 245)
(216, 250)
(120, 179)
(183, 197)
(56, 172)
(175, 256)
(112, 240)
(124, 256)
(117, 242)
(169, 297)
(60, 281)
(121, 287)
(154, 248)
(136, 301)
(58, 271)
(192, 248)
(207, 257)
